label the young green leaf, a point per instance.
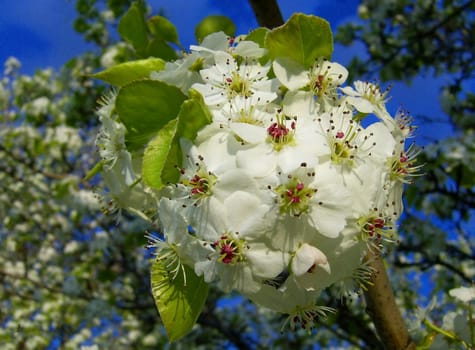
(162, 28)
(303, 38)
(213, 24)
(159, 48)
(179, 305)
(133, 28)
(127, 72)
(193, 116)
(156, 155)
(258, 35)
(146, 106)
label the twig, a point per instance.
(383, 310)
(267, 13)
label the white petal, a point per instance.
(290, 73)
(266, 263)
(465, 294)
(305, 258)
(259, 161)
(249, 133)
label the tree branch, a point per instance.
(267, 13)
(382, 307)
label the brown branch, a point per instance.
(267, 13)
(383, 310)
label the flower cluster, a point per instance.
(284, 192)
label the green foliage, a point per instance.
(158, 154)
(64, 265)
(179, 302)
(148, 37)
(145, 106)
(303, 38)
(213, 24)
(127, 72)
(163, 154)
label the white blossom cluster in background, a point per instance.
(284, 192)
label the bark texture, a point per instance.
(383, 310)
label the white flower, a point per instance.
(182, 73)
(313, 204)
(308, 259)
(464, 294)
(227, 79)
(12, 65)
(282, 145)
(366, 97)
(237, 256)
(219, 41)
(322, 79)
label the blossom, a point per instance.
(182, 73)
(283, 144)
(464, 294)
(366, 97)
(285, 189)
(227, 79)
(322, 79)
(232, 235)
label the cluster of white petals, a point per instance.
(284, 192)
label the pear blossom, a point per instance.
(236, 256)
(322, 80)
(284, 191)
(464, 294)
(366, 97)
(227, 79)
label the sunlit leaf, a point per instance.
(145, 106)
(156, 155)
(162, 28)
(133, 28)
(303, 38)
(127, 72)
(213, 24)
(159, 48)
(179, 305)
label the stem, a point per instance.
(382, 307)
(267, 13)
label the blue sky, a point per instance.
(40, 34)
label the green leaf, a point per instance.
(145, 106)
(162, 28)
(213, 24)
(193, 116)
(133, 28)
(94, 171)
(164, 153)
(258, 36)
(127, 72)
(303, 38)
(179, 305)
(156, 155)
(159, 48)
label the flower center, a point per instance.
(197, 65)
(237, 86)
(341, 148)
(294, 197)
(402, 166)
(229, 249)
(200, 183)
(374, 227)
(279, 134)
